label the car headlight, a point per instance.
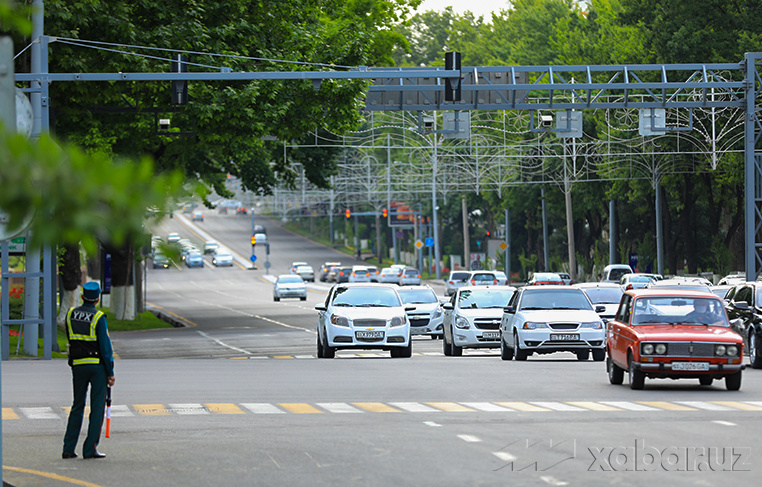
(437, 313)
(398, 321)
(732, 351)
(339, 320)
(462, 323)
(720, 350)
(661, 349)
(531, 325)
(595, 325)
(648, 349)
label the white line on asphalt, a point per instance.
(556, 406)
(630, 406)
(552, 480)
(504, 456)
(39, 413)
(188, 409)
(486, 406)
(221, 343)
(263, 408)
(414, 407)
(338, 407)
(724, 423)
(431, 423)
(470, 438)
(705, 405)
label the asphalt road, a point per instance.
(238, 398)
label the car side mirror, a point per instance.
(740, 305)
(320, 307)
(600, 309)
(447, 306)
(509, 309)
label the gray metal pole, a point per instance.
(659, 232)
(612, 234)
(466, 235)
(434, 220)
(544, 232)
(749, 169)
(508, 245)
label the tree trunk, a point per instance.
(122, 302)
(70, 274)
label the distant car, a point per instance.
(427, 317)
(173, 237)
(673, 334)
(289, 286)
(160, 261)
(343, 273)
(294, 265)
(732, 279)
(455, 280)
(194, 259)
(305, 272)
(721, 290)
(259, 229)
(389, 275)
(482, 278)
(210, 246)
(222, 258)
(374, 273)
(241, 211)
(548, 319)
(635, 281)
(261, 238)
(325, 269)
(502, 279)
(614, 272)
(197, 216)
(694, 283)
(606, 294)
(359, 273)
(410, 276)
(472, 318)
(364, 316)
(222, 210)
(545, 279)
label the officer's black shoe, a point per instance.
(67, 455)
(97, 455)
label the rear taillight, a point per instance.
(473, 282)
(494, 282)
(629, 286)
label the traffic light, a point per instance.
(253, 240)
(348, 214)
(384, 213)
(487, 233)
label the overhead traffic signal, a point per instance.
(253, 240)
(384, 213)
(348, 214)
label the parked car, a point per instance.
(472, 318)
(635, 281)
(305, 272)
(197, 216)
(222, 258)
(606, 294)
(364, 316)
(389, 275)
(289, 286)
(674, 334)
(410, 276)
(545, 279)
(210, 246)
(455, 280)
(614, 272)
(548, 319)
(482, 278)
(744, 302)
(427, 317)
(325, 269)
(194, 259)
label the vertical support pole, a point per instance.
(612, 233)
(750, 169)
(31, 301)
(545, 267)
(466, 235)
(508, 246)
(434, 219)
(659, 230)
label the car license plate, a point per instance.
(369, 334)
(690, 366)
(418, 330)
(564, 337)
(491, 335)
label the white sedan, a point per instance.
(428, 316)
(548, 319)
(472, 318)
(364, 316)
(289, 286)
(222, 257)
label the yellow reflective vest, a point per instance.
(83, 339)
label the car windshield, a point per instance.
(366, 297)
(616, 274)
(678, 310)
(483, 277)
(545, 299)
(601, 295)
(418, 296)
(290, 280)
(641, 278)
(484, 298)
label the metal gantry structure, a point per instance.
(539, 90)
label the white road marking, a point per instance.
(470, 438)
(557, 406)
(338, 407)
(187, 409)
(432, 424)
(414, 407)
(724, 423)
(263, 408)
(486, 406)
(39, 413)
(223, 344)
(552, 480)
(504, 456)
(630, 406)
(705, 405)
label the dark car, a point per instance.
(343, 273)
(745, 301)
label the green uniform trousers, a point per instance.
(83, 376)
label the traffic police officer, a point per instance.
(92, 364)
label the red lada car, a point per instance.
(674, 334)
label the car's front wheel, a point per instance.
(616, 373)
(275, 298)
(505, 352)
(319, 347)
(403, 352)
(637, 377)
(519, 352)
(599, 354)
(446, 348)
(706, 380)
(733, 381)
(583, 354)
(755, 354)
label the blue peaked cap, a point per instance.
(91, 291)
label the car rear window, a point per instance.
(459, 276)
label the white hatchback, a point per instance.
(364, 316)
(289, 286)
(427, 317)
(472, 318)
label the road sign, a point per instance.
(17, 245)
(503, 246)
(418, 244)
(399, 234)
(267, 264)
(253, 258)
(429, 242)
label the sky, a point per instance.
(478, 7)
